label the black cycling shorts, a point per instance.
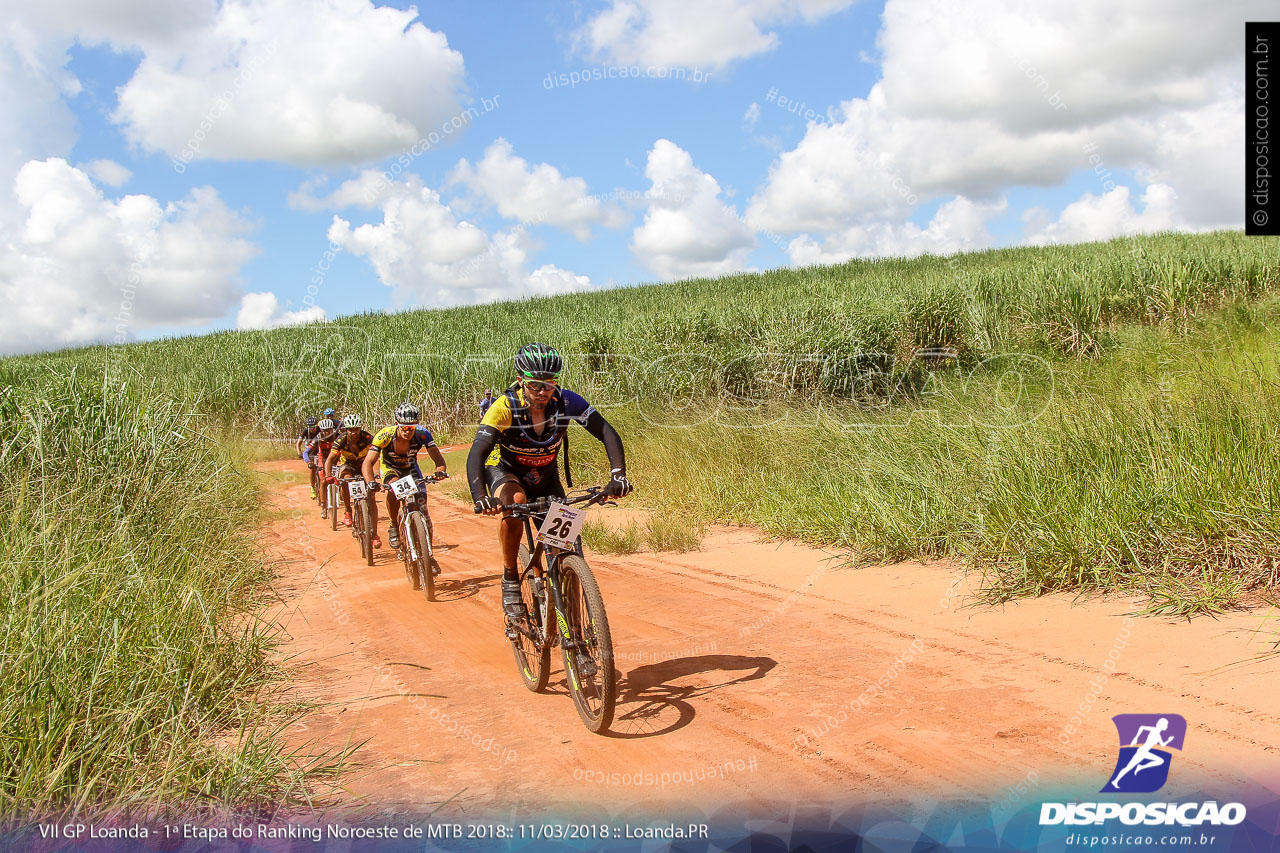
(536, 483)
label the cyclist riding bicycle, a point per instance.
(514, 453)
(350, 450)
(318, 448)
(309, 432)
(396, 448)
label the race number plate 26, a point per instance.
(404, 486)
(561, 526)
(357, 489)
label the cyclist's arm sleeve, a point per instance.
(603, 430)
(486, 439)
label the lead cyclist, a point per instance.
(513, 456)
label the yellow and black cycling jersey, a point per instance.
(517, 444)
(353, 450)
(384, 445)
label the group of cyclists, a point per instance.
(512, 458)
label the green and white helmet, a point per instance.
(538, 361)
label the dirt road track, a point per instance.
(749, 673)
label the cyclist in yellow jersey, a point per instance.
(514, 454)
(396, 448)
(349, 450)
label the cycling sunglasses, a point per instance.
(538, 386)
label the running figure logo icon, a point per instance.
(1145, 756)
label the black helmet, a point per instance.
(538, 361)
(407, 413)
(311, 422)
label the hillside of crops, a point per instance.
(859, 331)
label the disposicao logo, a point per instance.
(1146, 744)
(1145, 756)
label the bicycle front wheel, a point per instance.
(366, 532)
(334, 502)
(533, 659)
(404, 552)
(588, 657)
(419, 529)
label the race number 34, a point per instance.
(561, 526)
(404, 486)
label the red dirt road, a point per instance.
(751, 671)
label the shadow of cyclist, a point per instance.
(648, 705)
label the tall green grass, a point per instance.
(133, 672)
(1151, 470)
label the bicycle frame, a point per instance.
(408, 506)
(550, 576)
(344, 484)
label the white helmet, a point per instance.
(351, 421)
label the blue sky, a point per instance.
(943, 133)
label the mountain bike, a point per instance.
(330, 499)
(568, 589)
(416, 550)
(361, 516)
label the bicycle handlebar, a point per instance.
(593, 495)
(376, 485)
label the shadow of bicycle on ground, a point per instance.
(650, 705)
(455, 589)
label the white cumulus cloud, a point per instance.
(81, 268)
(535, 194)
(960, 225)
(972, 105)
(321, 82)
(363, 190)
(688, 230)
(262, 311)
(1111, 214)
(433, 259)
(680, 33)
(109, 173)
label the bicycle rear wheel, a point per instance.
(420, 529)
(533, 659)
(588, 659)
